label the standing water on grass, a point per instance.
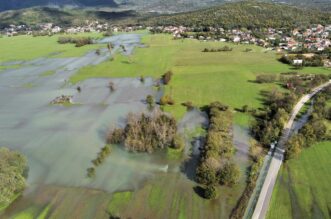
(61, 141)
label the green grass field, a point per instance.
(29, 47)
(198, 77)
(303, 186)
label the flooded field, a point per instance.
(61, 140)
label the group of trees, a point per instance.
(146, 133)
(270, 121)
(215, 166)
(222, 49)
(314, 130)
(102, 155)
(314, 61)
(13, 171)
(302, 83)
(78, 41)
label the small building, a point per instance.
(297, 62)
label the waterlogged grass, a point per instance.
(303, 186)
(6, 67)
(154, 60)
(198, 77)
(44, 213)
(118, 201)
(174, 154)
(156, 196)
(48, 73)
(29, 213)
(29, 47)
(172, 196)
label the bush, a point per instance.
(267, 78)
(91, 172)
(166, 100)
(167, 77)
(210, 192)
(189, 105)
(116, 136)
(108, 33)
(178, 142)
(229, 174)
(150, 101)
(13, 167)
(81, 41)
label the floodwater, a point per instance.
(60, 141)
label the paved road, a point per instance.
(277, 158)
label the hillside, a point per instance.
(248, 14)
(162, 6)
(19, 4)
(58, 16)
(324, 5)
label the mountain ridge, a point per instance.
(161, 6)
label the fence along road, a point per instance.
(277, 157)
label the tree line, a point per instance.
(78, 41)
(314, 130)
(215, 165)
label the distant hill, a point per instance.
(324, 5)
(248, 14)
(59, 16)
(19, 4)
(162, 6)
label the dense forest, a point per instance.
(249, 14)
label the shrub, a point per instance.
(189, 105)
(210, 192)
(178, 142)
(266, 78)
(116, 136)
(229, 174)
(91, 172)
(166, 100)
(13, 167)
(167, 77)
(150, 101)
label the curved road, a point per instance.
(277, 158)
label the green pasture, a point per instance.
(198, 77)
(27, 47)
(303, 186)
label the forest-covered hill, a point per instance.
(248, 14)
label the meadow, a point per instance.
(26, 47)
(198, 77)
(303, 186)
